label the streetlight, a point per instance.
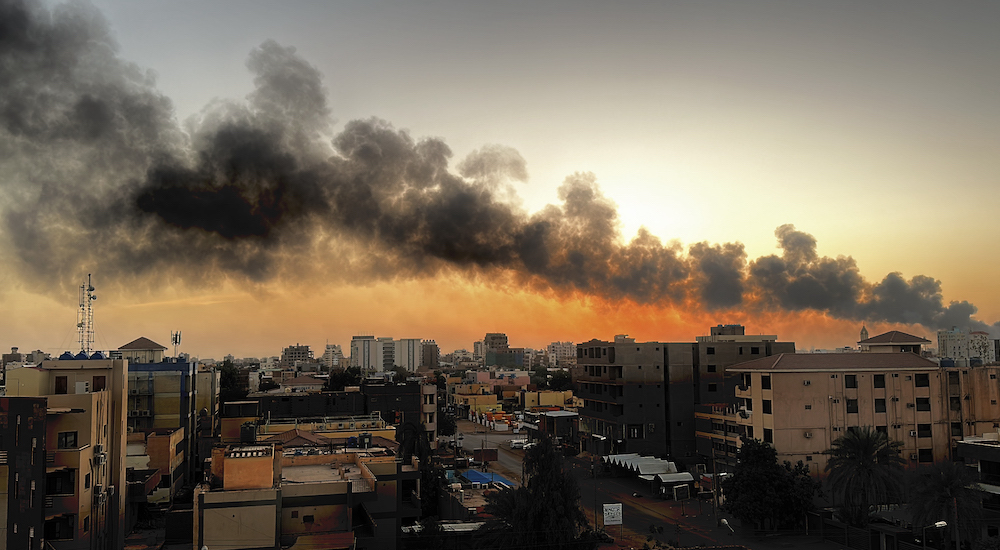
(725, 523)
(937, 525)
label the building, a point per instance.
(366, 354)
(561, 353)
(408, 354)
(293, 355)
(495, 341)
(84, 449)
(23, 434)
(302, 384)
(983, 453)
(801, 403)
(641, 397)
(893, 342)
(429, 411)
(142, 350)
(333, 356)
(431, 354)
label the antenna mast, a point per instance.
(85, 316)
(175, 339)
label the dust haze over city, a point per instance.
(649, 170)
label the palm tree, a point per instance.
(946, 491)
(865, 470)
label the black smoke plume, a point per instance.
(98, 176)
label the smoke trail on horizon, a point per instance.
(99, 176)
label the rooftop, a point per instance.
(142, 343)
(795, 362)
(895, 337)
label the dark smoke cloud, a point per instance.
(98, 176)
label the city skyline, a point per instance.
(554, 171)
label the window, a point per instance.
(925, 455)
(62, 385)
(754, 351)
(809, 407)
(634, 431)
(710, 351)
(923, 403)
(711, 368)
(100, 384)
(750, 432)
(852, 405)
(86, 524)
(295, 514)
(741, 350)
(880, 405)
(883, 429)
(879, 380)
(955, 403)
(767, 406)
(712, 387)
(923, 430)
(922, 380)
(956, 429)
(850, 381)
(308, 519)
(953, 378)
(86, 482)
(765, 382)
(66, 440)
(768, 435)
(809, 458)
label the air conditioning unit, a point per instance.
(100, 459)
(806, 382)
(649, 429)
(913, 456)
(98, 488)
(134, 391)
(910, 405)
(98, 448)
(143, 413)
(913, 433)
(808, 435)
(133, 413)
(477, 485)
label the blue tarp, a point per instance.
(476, 476)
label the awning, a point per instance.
(674, 479)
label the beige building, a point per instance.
(85, 480)
(801, 403)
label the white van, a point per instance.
(517, 443)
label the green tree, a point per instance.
(543, 513)
(540, 378)
(865, 470)
(447, 426)
(561, 380)
(233, 383)
(341, 378)
(765, 494)
(946, 491)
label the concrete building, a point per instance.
(302, 384)
(23, 452)
(800, 403)
(561, 353)
(142, 350)
(893, 342)
(983, 453)
(292, 355)
(366, 354)
(408, 354)
(84, 449)
(429, 411)
(431, 354)
(333, 356)
(641, 397)
(495, 341)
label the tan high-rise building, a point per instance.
(801, 403)
(84, 448)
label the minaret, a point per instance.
(864, 334)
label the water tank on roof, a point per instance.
(248, 433)
(352, 442)
(66, 356)
(82, 355)
(98, 355)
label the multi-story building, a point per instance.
(982, 347)
(893, 342)
(561, 353)
(431, 354)
(801, 403)
(366, 354)
(429, 411)
(408, 354)
(84, 447)
(23, 452)
(640, 397)
(333, 356)
(295, 354)
(142, 350)
(495, 341)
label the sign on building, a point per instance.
(613, 514)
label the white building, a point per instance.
(962, 345)
(333, 356)
(366, 354)
(561, 352)
(408, 354)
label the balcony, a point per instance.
(56, 505)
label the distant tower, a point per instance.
(175, 339)
(85, 316)
(864, 332)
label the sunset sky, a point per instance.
(871, 127)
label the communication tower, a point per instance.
(175, 340)
(85, 316)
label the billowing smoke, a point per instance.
(98, 176)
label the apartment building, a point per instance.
(641, 397)
(84, 479)
(22, 469)
(801, 403)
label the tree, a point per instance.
(561, 380)
(946, 491)
(340, 379)
(865, 471)
(540, 378)
(233, 385)
(543, 513)
(446, 424)
(763, 493)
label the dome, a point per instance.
(65, 356)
